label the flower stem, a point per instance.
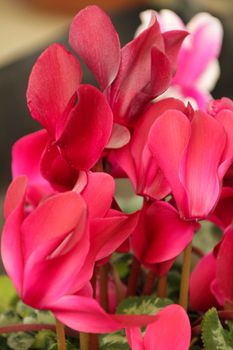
(184, 285)
(103, 271)
(162, 287)
(84, 341)
(61, 340)
(149, 283)
(133, 277)
(118, 285)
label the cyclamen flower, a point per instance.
(170, 331)
(211, 282)
(194, 154)
(132, 76)
(197, 67)
(50, 251)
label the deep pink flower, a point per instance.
(170, 331)
(160, 235)
(194, 156)
(136, 159)
(50, 251)
(132, 76)
(197, 67)
(211, 282)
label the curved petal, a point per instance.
(168, 140)
(135, 339)
(27, 153)
(120, 136)
(88, 129)
(224, 263)
(98, 193)
(204, 273)
(11, 242)
(199, 171)
(108, 233)
(135, 69)
(56, 217)
(95, 40)
(56, 170)
(222, 215)
(170, 331)
(54, 79)
(201, 47)
(160, 234)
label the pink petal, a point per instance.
(160, 234)
(88, 130)
(170, 331)
(202, 47)
(108, 233)
(95, 40)
(168, 139)
(84, 314)
(56, 170)
(120, 136)
(169, 21)
(54, 218)
(204, 273)
(222, 215)
(199, 171)
(11, 242)
(224, 266)
(54, 79)
(98, 193)
(225, 117)
(135, 339)
(135, 69)
(173, 41)
(26, 157)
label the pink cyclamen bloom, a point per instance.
(194, 154)
(160, 236)
(136, 159)
(132, 76)
(211, 282)
(49, 252)
(170, 331)
(197, 67)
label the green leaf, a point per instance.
(20, 341)
(24, 311)
(114, 341)
(9, 317)
(69, 346)
(3, 343)
(45, 317)
(149, 305)
(7, 293)
(44, 339)
(214, 336)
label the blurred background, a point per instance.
(27, 27)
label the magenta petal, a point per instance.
(173, 40)
(84, 314)
(88, 130)
(54, 218)
(199, 171)
(222, 215)
(160, 234)
(201, 296)
(224, 276)
(27, 153)
(168, 140)
(170, 331)
(95, 40)
(98, 193)
(54, 79)
(135, 69)
(108, 233)
(11, 242)
(135, 339)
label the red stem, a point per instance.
(133, 278)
